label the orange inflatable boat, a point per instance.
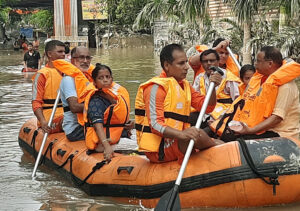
(236, 174)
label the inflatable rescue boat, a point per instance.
(236, 174)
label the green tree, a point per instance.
(127, 11)
(181, 11)
(4, 16)
(245, 12)
(43, 19)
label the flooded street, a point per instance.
(50, 191)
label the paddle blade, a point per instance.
(169, 201)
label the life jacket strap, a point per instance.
(225, 101)
(172, 115)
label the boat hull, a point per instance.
(216, 177)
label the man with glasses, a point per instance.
(81, 58)
(278, 100)
(269, 106)
(226, 92)
(225, 62)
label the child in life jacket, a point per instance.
(97, 105)
(246, 73)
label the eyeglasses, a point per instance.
(209, 60)
(82, 58)
(260, 61)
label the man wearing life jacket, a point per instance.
(226, 62)
(44, 91)
(226, 92)
(162, 108)
(70, 85)
(269, 106)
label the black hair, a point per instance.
(217, 41)
(272, 53)
(166, 54)
(209, 51)
(67, 48)
(30, 44)
(73, 51)
(245, 68)
(51, 45)
(99, 67)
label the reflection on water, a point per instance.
(50, 191)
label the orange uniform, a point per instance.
(156, 117)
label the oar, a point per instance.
(170, 200)
(233, 57)
(45, 135)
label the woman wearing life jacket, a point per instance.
(246, 73)
(105, 112)
(269, 106)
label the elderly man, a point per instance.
(80, 58)
(269, 106)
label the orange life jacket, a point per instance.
(115, 117)
(230, 65)
(258, 101)
(53, 78)
(242, 88)
(81, 79)
(177, 107)
(224, 100)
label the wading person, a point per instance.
(32, 59)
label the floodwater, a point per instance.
(50, 191)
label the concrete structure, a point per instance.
(66, 22)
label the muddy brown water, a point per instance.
(50, 191)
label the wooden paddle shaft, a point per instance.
(46, 135)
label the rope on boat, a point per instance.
(94, 169)
(36, 132)
(273, 177)
(50, 145)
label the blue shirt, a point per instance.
(67, 90)
(97, 107)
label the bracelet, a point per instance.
(106, 140)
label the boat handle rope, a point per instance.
(70, 157)
(94, 169)
(36, 132)
(50, 145)
(26, 130)
(273, 177)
